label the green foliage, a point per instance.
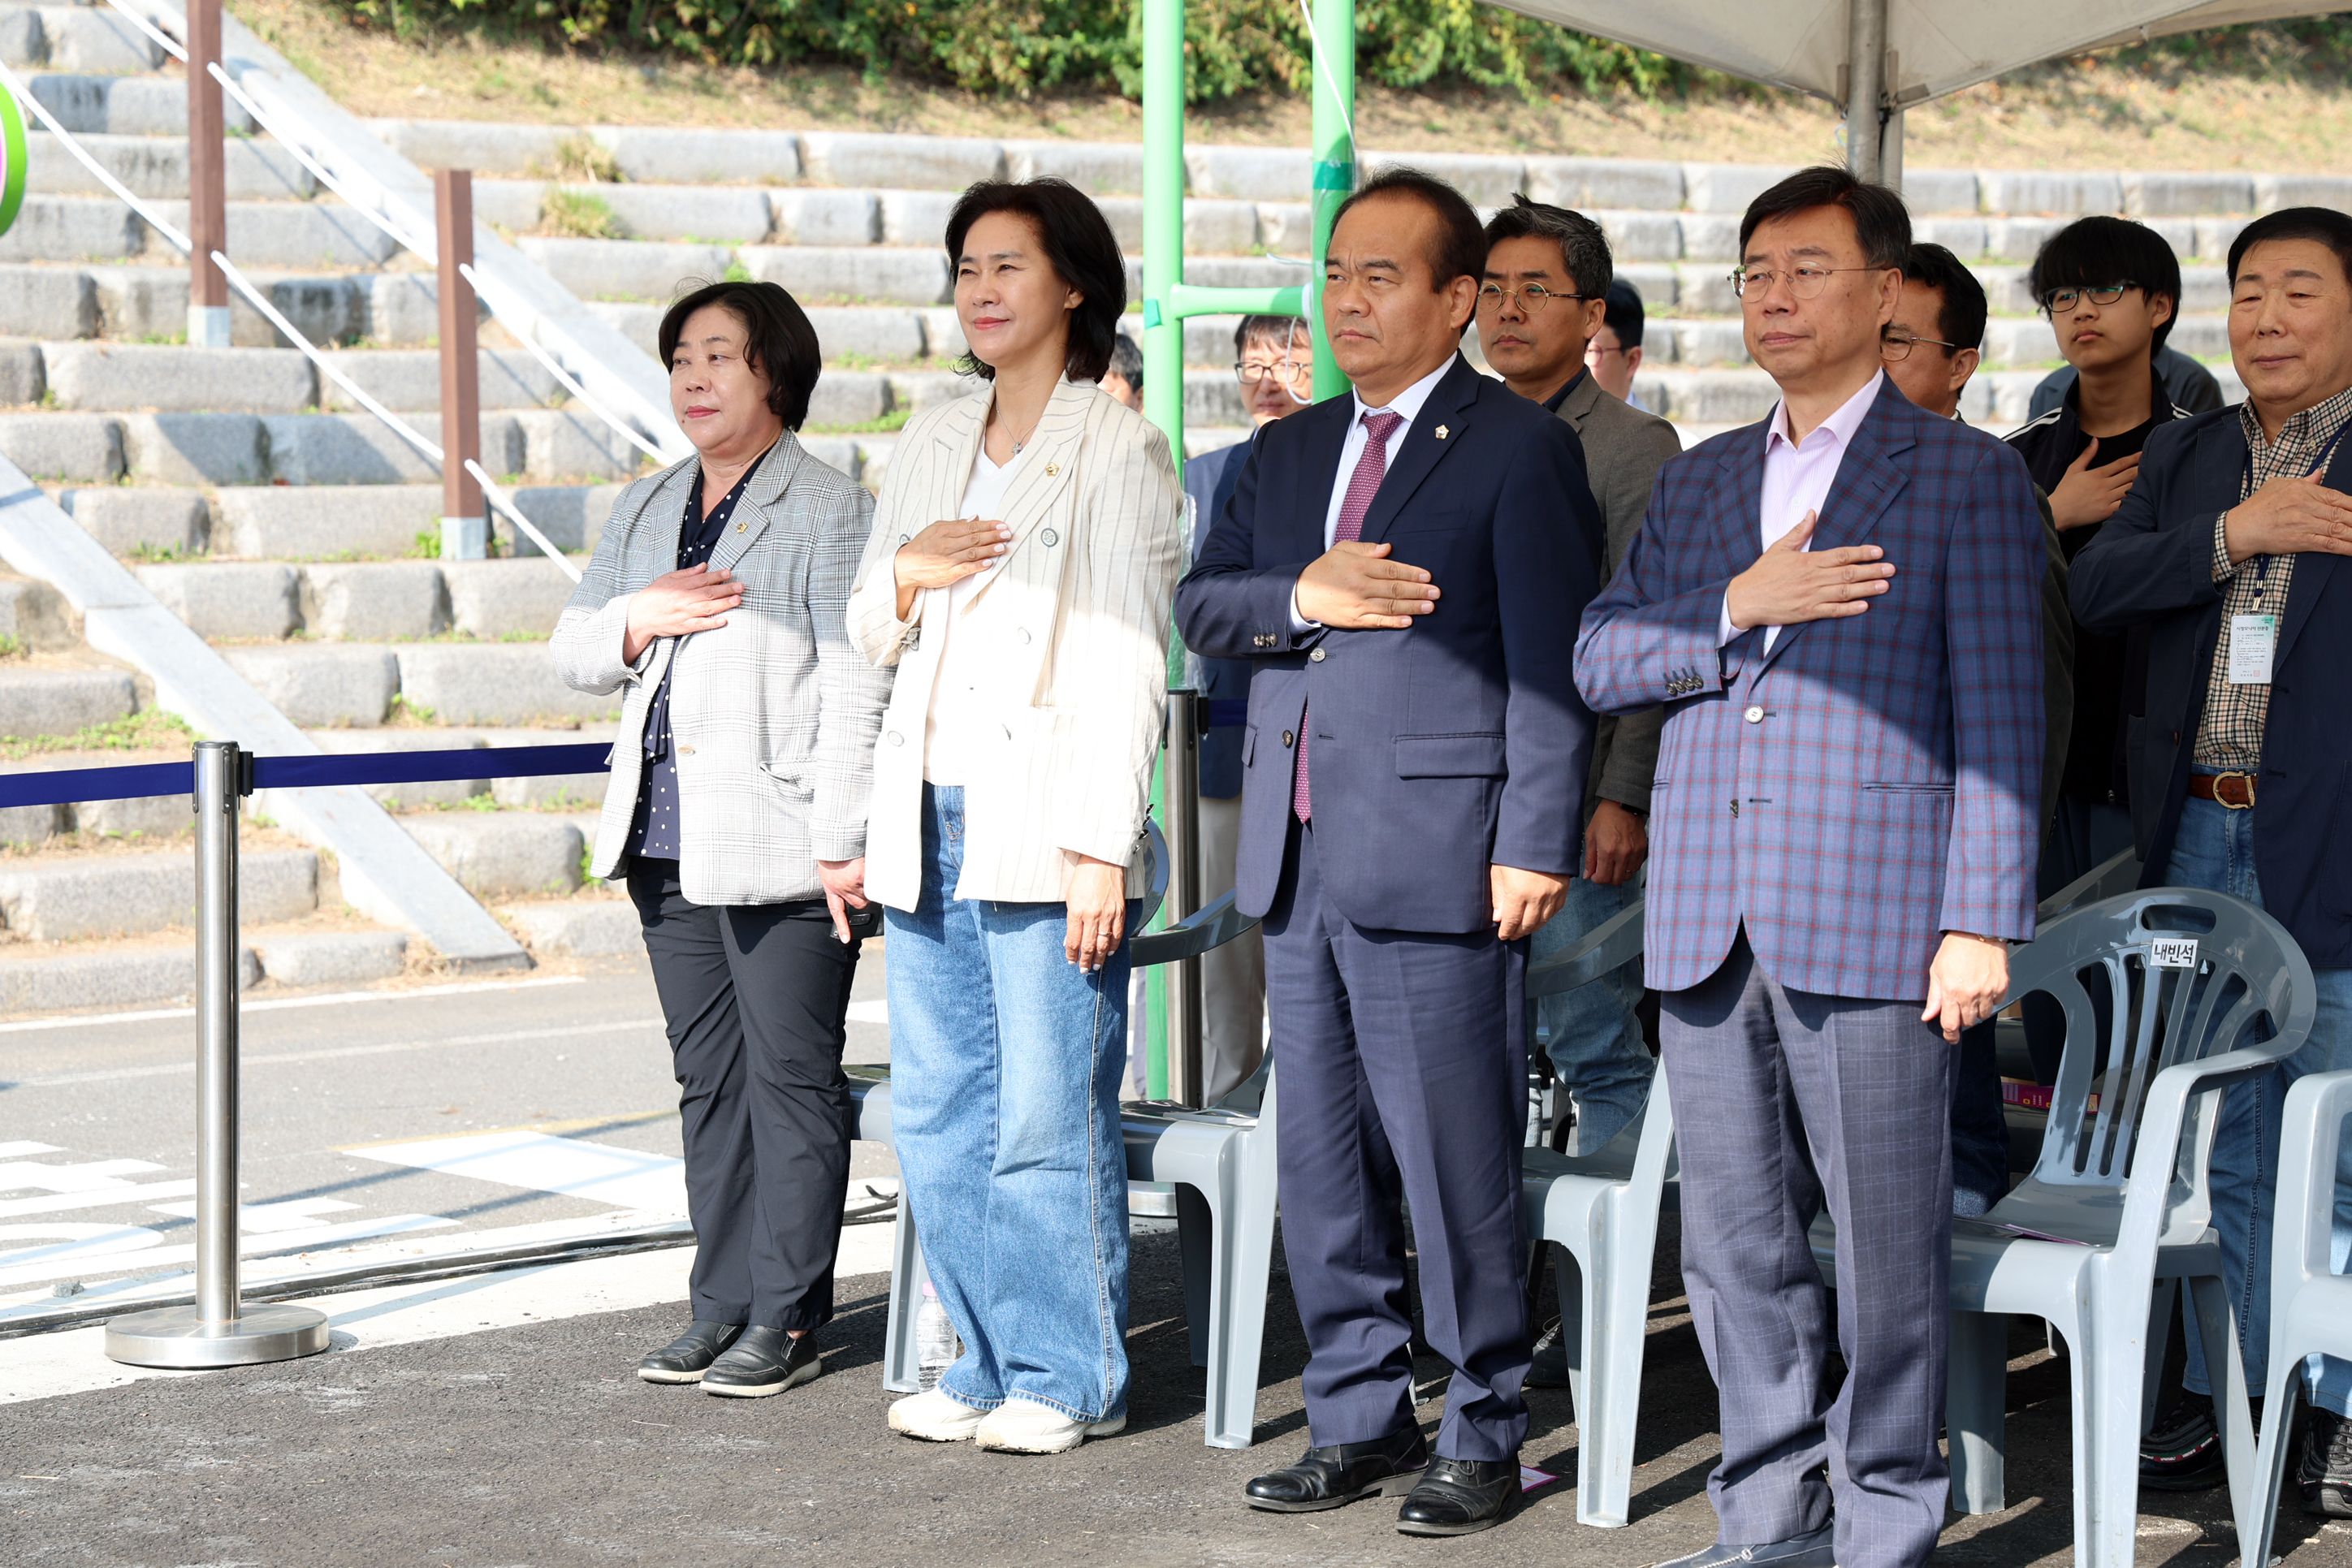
(577, 213)
(149, 729)
(2316, 45)
(11, 647)
(737, 273)
(1016, 48)
(579, 157)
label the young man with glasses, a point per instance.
(2111, 289)
(1930, 351)
(1273, 359)
(1543, 297)
(1840, 608)
(1613, 352)
(2230, 557)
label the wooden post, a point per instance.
(465, 526)
(208, 323)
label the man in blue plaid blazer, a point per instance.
(1840, 609)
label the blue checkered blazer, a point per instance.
(1871, 782)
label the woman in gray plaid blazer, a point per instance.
(737, 813)
(1010, 786)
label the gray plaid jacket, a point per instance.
(773, 714)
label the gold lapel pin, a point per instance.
(1442, 433)
(741, 526)
(1052, 469)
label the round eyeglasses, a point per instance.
(1895, 346)
(1526, 298)
(2057, 302)
(1805, 282)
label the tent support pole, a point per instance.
(1865, 57)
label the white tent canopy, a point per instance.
(1936, 46)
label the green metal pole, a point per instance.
(1334, 70)
(1163, 357)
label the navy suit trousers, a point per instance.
(1403, 1062)
(1786, 1101)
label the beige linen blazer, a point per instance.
(1097, 541)
(771, 716)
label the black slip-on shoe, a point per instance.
(1458, 1497)
(2325, 1472)
(685, 1358)
(1815, 1550)
(764, 1361)
(1343, 1473)
(2184, 1452)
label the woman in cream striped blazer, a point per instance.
(1019, 577)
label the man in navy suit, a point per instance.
(1841, 609)
(1406, 565)
(2229, 552)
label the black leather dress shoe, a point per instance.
(1328, 1477)
(685, 1358)
(1457, 1496)
(764, 1361)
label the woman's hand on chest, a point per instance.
(677, 603)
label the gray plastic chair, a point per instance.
(1601, 1209)
(2117, 1199)
(2311, 1305)
(1221, 1162)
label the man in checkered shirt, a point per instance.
(2230, 550)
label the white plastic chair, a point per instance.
(2117, 1200)
(2311, 1305)
(1601, 1209)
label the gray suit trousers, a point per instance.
(1784, 1102)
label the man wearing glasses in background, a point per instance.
(1613, 352)
(1930, 349)
(1274, 362)
(1543, 297)
(1840, 609)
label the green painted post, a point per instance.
(1163, 357)
(1334, 73)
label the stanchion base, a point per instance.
(175, 1336)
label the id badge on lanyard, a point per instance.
(2253, 639)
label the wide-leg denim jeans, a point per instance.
(2214, 848)
(1005, 1069)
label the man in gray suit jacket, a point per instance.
(1543, 297)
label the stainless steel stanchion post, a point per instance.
(1182, 831)
(219, 1330)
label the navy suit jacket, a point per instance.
(2152, 563)
(1871, 782)
(1211, 481)
(1445, 748)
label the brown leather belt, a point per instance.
(2236, 791)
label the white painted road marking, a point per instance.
(626, 1178)
(276, 1004)
(262, 1059)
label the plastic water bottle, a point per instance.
(935, 1338)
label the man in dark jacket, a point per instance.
(1274, 362)
(2231, 551)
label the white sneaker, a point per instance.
(936, 1416)
(1025, 1427)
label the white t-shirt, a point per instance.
(962, 694)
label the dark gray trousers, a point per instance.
(756, 998)
(1784, 1102)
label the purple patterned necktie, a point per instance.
(1362, 485)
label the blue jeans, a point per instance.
(2214, 848)
(1005, 1062)
(1590, 1033)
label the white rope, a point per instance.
(572, 385)
(497, 498)
(1339, 98)
(24, 96)
(172, 45)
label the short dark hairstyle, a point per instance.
(1961, 320)
(1882, 224)
(2324, 226)
(1126, 361)
(778, 340)
(1583, 248)
(2091, 252)
(1274, 331)
(1079, 246)
(1625, 315)
(1461, 248)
